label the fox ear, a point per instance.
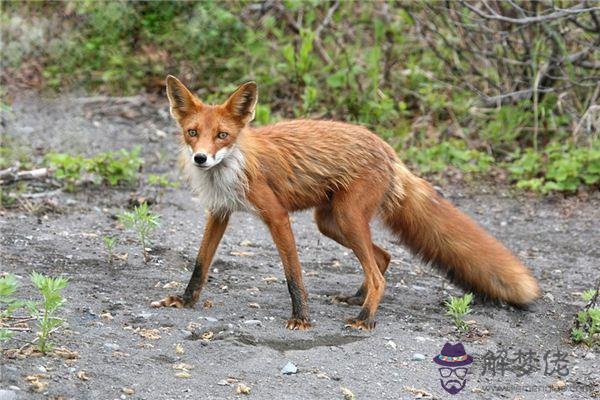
(181, 99)
(242, 103)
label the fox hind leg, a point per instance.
(329, 227)
(352, 210)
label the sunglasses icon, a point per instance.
(459, 372)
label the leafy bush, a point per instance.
(449, 153)
(112, 168)
(415, 72)
(558, 167)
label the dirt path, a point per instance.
(557, 239)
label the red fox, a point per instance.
(348, 175)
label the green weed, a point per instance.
(143, 222)
(457, 308)
(8, 303)
(46, 311)
(110, 243)
(587, 325)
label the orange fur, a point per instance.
(349, 175)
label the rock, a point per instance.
(112, 346)
(418, 357)
(253, 322)
(289, 369)
(211, 319)
(7, 395)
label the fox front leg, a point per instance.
(213, 232)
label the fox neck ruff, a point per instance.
(222, 188)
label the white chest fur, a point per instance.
(222, 188)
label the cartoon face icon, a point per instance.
(453, 361)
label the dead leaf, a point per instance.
(270, 279)
(253, 305)
(183, 367)
(207, 304)
(179, 349)
(242, 389)
(83, 376)
(128, 391)
(152, 334)
(208, 335)
(36, 383)
(192, 326)
(65, 353)
(246, 243)
(241, 253)
(418, 392)
(107, 316)
(171, 285)
(558, 385)
(183, 374)
(348, 395)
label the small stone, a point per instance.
(253, 305)
(418, 357)
(246, 243)
(112, 346)
(253, 322)
(7, 395)
(211, 319)
(289, 369)
(223, 382)
(590, 356)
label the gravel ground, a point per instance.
(128, 350)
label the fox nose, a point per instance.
(200, 158)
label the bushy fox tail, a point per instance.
(445, 237)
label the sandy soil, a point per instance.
(557, 238)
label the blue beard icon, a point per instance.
(453, 386)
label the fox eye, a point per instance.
(192, 132)
(222, 135)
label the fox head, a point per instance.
(210, 131)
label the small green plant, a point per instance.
(162, 181)
(587, 325)
(45, 311)
(142, 221)
(110, 243)
(8, 303)
(457, 308)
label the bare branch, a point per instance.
(557, 14)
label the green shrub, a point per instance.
(453, 152)
(558, 167)
(113, 168)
